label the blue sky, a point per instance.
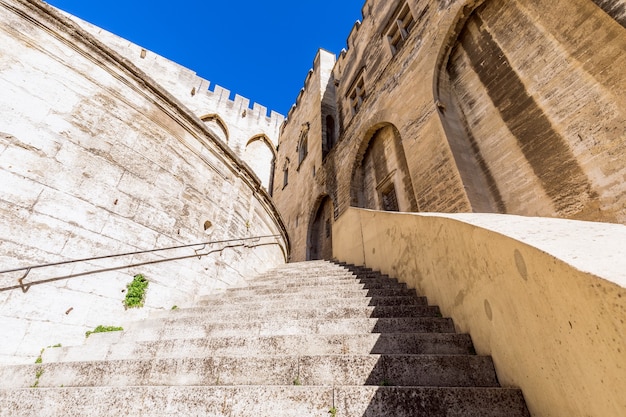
(261, 50)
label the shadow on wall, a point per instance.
(534, 103)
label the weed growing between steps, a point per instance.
(103, 329)
(39, 359)
(136, 294)
(333, 412)
(38, 374)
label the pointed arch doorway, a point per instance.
(320, 238)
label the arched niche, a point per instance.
(217, 126)
(380, 177)
(260, 155)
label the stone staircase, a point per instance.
(306, 339)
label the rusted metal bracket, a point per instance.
(24, 287)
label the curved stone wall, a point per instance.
(97, 159)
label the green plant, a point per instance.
(55, 346)
(136, 293)
(333, 412)
(103, 329)
(297, 381)
(39, 359)
(38, 374)
(174, 307)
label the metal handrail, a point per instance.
(197, 253)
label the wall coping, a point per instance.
(595, 248)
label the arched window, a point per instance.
(303, 144)
(259, 154)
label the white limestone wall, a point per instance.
(243, 120)
(96, 159)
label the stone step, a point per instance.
(303, 277)
(396, 370)
(314, 292)
(255, 302)
(329, 312)
(197, 327)
(319, 284)
(305, 273)
(359, 345)
(353, 344)
(254, 401)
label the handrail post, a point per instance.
(24, 288)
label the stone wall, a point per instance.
(298, 199)
(97, 159)
(546, 114)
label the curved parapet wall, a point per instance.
(545, 297)
(96, 159)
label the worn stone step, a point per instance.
(304, 273)
(329, 312)
(314, 292)
(323, 284)
(393, 343)
(254, 401)
(254, 303)
(347, 275)
(397, 370)
(196, 327)
(429, 402)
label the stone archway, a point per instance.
(320, 239)
(381, 179)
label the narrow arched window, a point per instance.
(303, 149)
(330, 134)
(303, 144)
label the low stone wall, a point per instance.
(545, 297)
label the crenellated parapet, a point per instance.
(241, 118)
(199, 94)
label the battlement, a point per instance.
(221, 98)
(186, 85)
(324, 60)
(352, 36)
